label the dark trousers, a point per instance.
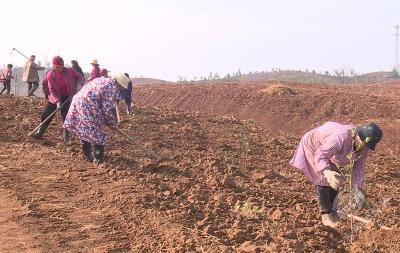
(326, 196)
(7, 86)
(50, 108)
(32, 87)
(128, 103)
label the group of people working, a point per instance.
(86, 107)
(30, 76)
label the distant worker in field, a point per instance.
(126, 94)
(75, 65)
(104, 72)
(30, 75)
(329, 147)
(61, 85)
(92, 108)
(5, 78)
(95, 71)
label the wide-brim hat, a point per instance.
(121, 78)
(370, 134)
(94, 62)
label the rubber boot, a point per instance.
(66, 136)
(40, 132)
(98, 153)
(330, 220)
(87, 151)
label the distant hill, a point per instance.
(274, 75)
(147, 81)
(313, 77)
(339, 77)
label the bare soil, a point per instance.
(226, 186)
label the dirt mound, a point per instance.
(297, 108)
(226, 187)
(279, 90)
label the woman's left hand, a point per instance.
(359, 197)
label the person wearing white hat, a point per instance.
(95, 71)
(92, 108)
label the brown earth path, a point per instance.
(15, 237)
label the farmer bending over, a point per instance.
(60, 85)
(323, 150)
(91, 108)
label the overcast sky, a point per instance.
(170, 38)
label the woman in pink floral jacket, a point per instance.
(92, 108)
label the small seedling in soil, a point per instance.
(249, 210)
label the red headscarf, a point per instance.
(57, 60)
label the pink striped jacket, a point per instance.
(330, 145)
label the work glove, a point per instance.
(359, 198)
(335, 179)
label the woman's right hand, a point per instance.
(335, 179)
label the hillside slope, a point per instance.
(287, 106)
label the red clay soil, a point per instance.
(226, 186)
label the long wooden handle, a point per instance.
(20, 53)
(117, 111)
(41, 123)
(51, 115)
(366, 221)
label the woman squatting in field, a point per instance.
(325, 149)
(91, 108)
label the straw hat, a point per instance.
(121, 78)
(94, 62)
